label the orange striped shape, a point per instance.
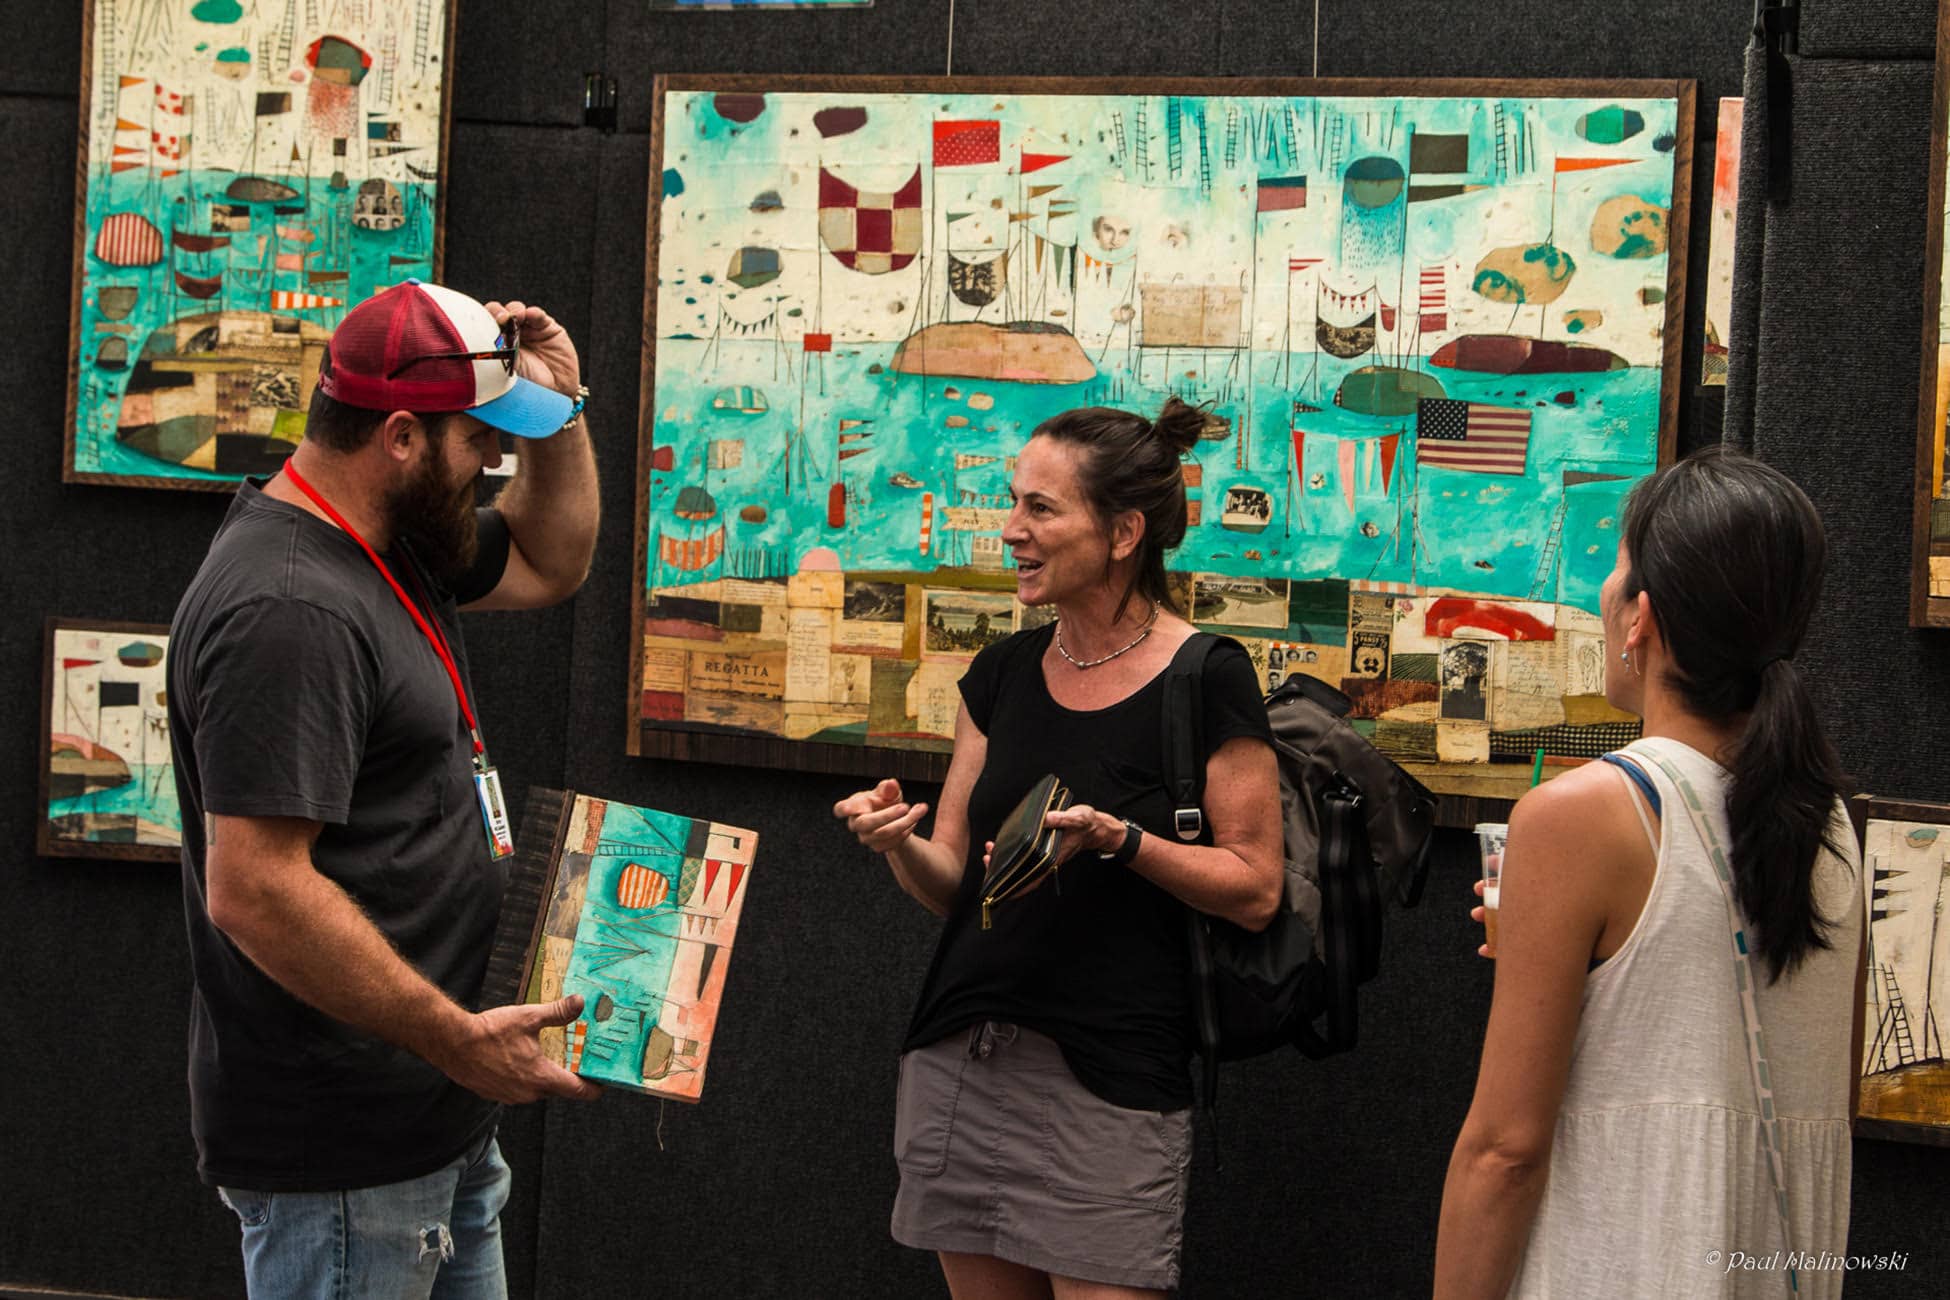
(287, 300)
(692, 554)
(640, 887)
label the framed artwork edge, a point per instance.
(438, 256)
(894, 83)
(1863, 808)
(45, 845)
(1926, 610)
(646, 417)
(1460, 783)
(1678, 244)
(75, 277)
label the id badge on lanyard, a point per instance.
(494, 809)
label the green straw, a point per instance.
(1537, 770)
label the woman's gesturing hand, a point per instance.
(879, 818)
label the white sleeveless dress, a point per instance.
(1658, 1170)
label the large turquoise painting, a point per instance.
(1434, 328)
(248, 172)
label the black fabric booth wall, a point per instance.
(780, 1183)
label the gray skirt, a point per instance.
(1002, 1152)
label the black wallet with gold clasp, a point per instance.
(1025, 849)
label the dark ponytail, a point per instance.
(1731, 553)
(1130, 463)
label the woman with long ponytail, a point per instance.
(1667, 1083)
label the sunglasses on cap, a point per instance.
(510, 335)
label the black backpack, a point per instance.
(1357, 830)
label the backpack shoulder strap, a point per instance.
(1184, 715)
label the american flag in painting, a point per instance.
(1471, 436)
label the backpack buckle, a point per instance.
(1188, 822)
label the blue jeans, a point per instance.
(431, 1238)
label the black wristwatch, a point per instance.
(1125, 853)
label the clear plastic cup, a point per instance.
(1490, 837)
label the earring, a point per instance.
(1626, 655)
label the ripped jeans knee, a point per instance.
(437, 1240)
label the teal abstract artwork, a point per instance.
(247, 174)
(1434, 337)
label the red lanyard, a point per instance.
(431, 632)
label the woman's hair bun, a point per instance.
(1179, 424)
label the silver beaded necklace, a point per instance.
(1136, 641)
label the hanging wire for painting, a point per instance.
(1316, 35)
(951, 38)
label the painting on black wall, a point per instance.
(1905, 1090)
(1433, 328)
(247, 173)
(107, 783)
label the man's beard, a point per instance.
(436, 520)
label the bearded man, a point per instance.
(343, 832)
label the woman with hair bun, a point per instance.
(1661, 911)
(1043, 1128)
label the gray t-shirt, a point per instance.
(299, 687)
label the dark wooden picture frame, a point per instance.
(1889, 1030)
(1470, 783)
(1929, 606)
(78, 281)
(46, 843)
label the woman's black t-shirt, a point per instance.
(1095, 956)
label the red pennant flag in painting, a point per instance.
(967, 144)
(1589, 164)
(1300, 464)
(79, 663)
(1389, 447)
(1346, 453)
(818, 343)
(1035, 162)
